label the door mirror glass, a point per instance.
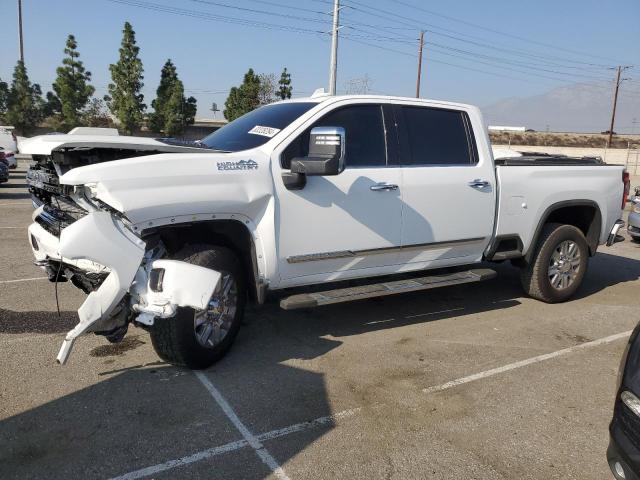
(326, 153)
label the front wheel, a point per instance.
(558, 265)
(199, 338)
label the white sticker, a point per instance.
(264, 131)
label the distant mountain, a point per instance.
(583, 107)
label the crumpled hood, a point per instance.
(163, 186)
(45, 144)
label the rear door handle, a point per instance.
(380, 187)
(477, 183)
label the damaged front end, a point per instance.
(128, 280)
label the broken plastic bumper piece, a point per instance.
(101, 238)
(169, 284)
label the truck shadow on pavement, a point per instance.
(143, 415)
(606, 270)
(36, 322)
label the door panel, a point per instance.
(338, 224)
(446, 213)
(339, 217)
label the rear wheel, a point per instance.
(558, 265)
(199, 338)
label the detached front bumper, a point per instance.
(103, 240)
(100, 243)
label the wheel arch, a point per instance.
(232, 233)
(583, 214)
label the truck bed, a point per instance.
(530, 185)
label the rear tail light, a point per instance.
(626, 180)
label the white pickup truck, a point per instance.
(307, 192)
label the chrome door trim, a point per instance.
(311, 257)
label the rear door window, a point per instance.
(437, 137)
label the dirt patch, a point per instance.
(117, 349)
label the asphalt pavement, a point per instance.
(473, 382)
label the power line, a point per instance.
(433, 60)
(261, 12)
(417, 24)
(216, 18)
(498, 32)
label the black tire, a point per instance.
(535, 274)
(174, 339)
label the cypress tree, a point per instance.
(125, 100)
(72, 86)
(244, 98)
(172, 111)
(284, 92)
(24, 102)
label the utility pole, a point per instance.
(419, 63)
(20, 30)
(615, 101)
(334, 48)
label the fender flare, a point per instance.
(596, 224)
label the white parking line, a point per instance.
(11, 228)
(298, 427)
(196, 457)
(524, 363)
(15, 203)
(260, 450)
(229, 447)
(23, 280)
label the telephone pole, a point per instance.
(615, 101)
(419, 63)
(334, 48)
(20, 30)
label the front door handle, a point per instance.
(381, 187)
(477, 183)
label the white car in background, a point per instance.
(9, 145)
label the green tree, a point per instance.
(179, 112)
(24, 102)
(71, 86)
(244, 98)
(52, 106)
(125, 100)
(285, 88)
(4, 97)
(172, 111)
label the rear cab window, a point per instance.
(435, 137)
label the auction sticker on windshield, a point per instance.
(264, 131)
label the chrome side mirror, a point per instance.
(326, 153)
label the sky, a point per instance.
(479, 52)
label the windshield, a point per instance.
(256, 127)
